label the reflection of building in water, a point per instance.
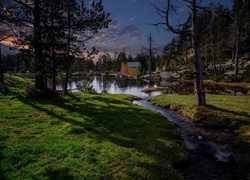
(123, 83)
(129, 68)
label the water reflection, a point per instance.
(112, 86)
(135, 87)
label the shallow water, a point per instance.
(132, 86)
(112, 86)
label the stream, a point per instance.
(211, 154)
(211, 151)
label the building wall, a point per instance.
(132, 71)
(126, 70)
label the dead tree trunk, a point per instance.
(237, 37)
(150, 55)
(199, 91)
(236, 57)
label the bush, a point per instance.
(237, 78)
(104, 91)
(188, 77)
(88, 88)
(246, 76)
(106, 73)
(218, 78)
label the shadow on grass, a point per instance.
(244, 114)
(112, 120)
(2, 175)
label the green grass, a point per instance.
(83, 136)
(222, 111)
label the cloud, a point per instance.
(118, 38)
(133, 18)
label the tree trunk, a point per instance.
(54, 77)
(40, 83)
(213, 59)
(186, 51)
(54, 67)
(206, 54)
(236, 58)
(1, 66)
(237, 36)
(199, 92)
(65, 89)
(150, 55)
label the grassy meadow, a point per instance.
(84, 136)
(222, 111)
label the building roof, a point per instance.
(133, 64)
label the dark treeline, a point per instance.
(108, 63)
(105, 63)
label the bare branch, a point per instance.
(4, 38)
(166, 16)
(24, 4)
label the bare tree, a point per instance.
(199, 92)
(237, 26)
(151, 51)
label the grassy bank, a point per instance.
(83, 136)
(223, 111)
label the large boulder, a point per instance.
(165, 83)
(176, 75)
(247, 65)
(158, 69)
(167, 76)
(164, 68)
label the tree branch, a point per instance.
(167, 23)
(24, 4)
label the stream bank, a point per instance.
(211, 151)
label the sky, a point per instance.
(132, 23)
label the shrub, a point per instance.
(246, 76)
(187, 77)
(104, 91)
(88, 88)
